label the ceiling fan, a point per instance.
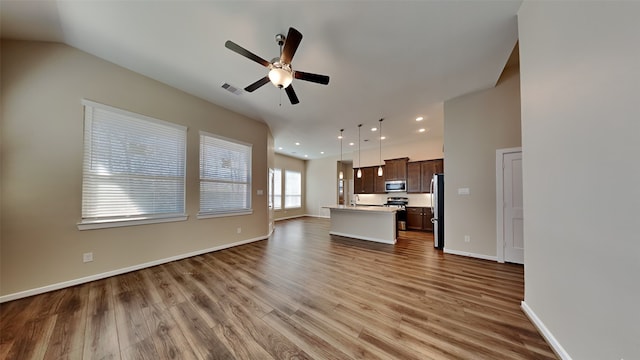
(281, 74)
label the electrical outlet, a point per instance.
(467, 238)
(87, 257)
(239, 230)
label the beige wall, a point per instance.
(475, 126)
(42, 136)
(289, 163)
(580, 142)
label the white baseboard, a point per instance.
(551, 340)
(319, 216)
(86, 279)
(468, 254)
(289, 217)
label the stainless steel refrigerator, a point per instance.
(437, 210)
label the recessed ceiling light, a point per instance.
(374, 129)
(305, 155)
(280, 148)
(321, 152)
(297, 144)
(351, 144)
(382, 137)
(419, 118)
(422, 130)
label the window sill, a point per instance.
(104, 224)
(216, 215)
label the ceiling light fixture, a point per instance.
(341, 174)
(359, 173)
(422, 130)
(380, 167)
(419, 118)
(280, 75)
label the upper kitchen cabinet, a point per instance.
(365, 184)
(419, 174)
(395, 169)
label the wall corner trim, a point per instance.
(551, 340)
(86, 279)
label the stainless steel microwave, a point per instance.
(395, 186)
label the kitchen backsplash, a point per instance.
(416, 200)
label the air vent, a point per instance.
(232, 89)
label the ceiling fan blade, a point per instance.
(246, 53)
(290, 45)
(253, 87)
(292, 95)
(316, 78)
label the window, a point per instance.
(292, 189)
(133, 168)
(225, 176)
(277, 189)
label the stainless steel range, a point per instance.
(401, 215)
(397, 201)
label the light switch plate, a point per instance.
(463, 191)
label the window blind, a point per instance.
(134, 166)
(277, 189)
(292, 189)
(225, 175)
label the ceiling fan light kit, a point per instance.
(280, 74)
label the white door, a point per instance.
(513, 215)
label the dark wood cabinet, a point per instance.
(419, 174)
(395, 169)
(419, 218)
(365, 184)
(414, 177)
(378, 185)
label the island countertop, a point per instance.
(376, 208)
(373, 223)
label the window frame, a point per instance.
(249, 193)
(277, 190)
(100, 222)
(285, 207)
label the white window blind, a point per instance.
(225, 175)
(292, 189)
(277, 189)
(133, 168)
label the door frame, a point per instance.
(500, 153)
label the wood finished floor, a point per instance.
(302, 294)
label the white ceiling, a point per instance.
(391, 59)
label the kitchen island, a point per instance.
(373, 223)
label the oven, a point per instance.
(401, 215)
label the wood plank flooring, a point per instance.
(302, 294)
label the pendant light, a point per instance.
(380, 167)
(359, 174)
(341, 174)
